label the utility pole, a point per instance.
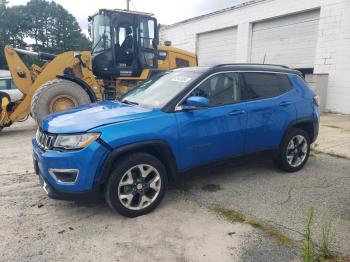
(128, 5)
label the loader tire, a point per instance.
(55, 96)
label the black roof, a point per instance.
(243, 67)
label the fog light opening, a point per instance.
(64, 176)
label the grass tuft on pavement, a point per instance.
(277, 235)
(231, 215)
(235, 216)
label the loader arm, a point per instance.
(20, 73)
(28, 82)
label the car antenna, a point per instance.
(264, 59)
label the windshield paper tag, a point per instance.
(181, 79)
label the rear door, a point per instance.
(270, 108)
(216, 132)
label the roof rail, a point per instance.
(238, 64)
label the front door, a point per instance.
(216, 132)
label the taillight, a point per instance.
(317, 100)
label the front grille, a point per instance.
(44, 140)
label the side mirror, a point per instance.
(195, 102)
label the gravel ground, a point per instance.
(36, 228)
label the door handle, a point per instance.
(285, 103)
(236, 112)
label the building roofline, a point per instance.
(242, 5)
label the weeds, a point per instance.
(309, 251)
(323, 252)
(236, 216)
(230, 214)
(307, 247)
(280, 238)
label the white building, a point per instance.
(311, 35)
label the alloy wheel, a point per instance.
(139, 187)
(297, 150)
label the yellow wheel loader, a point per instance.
(125, 51)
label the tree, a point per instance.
(12, 30)
(53, 29)
(41, 26)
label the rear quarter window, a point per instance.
(285, 83)
(264, 85)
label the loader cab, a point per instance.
(124, 43)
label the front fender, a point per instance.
(158, 148)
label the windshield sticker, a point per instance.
(182, 79)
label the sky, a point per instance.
(166, 11)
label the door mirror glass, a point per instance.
(195, 102)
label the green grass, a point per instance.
(311, 252)
(231, 215)
(325, 252)
(235, 216)
(277, 235)
(307, 249)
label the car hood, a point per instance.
(83, 118)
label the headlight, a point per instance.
(70, 142)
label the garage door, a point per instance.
(217, 46)
(289, 40)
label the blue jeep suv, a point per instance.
(171, 123)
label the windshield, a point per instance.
(160, 89)
(101, 38)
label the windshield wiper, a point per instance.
(129, 102)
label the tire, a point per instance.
(123, 193)
(292, 159)
(53, 90)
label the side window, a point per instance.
(261, 85)
(182, 63)
(3, 84)
(220, 89)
